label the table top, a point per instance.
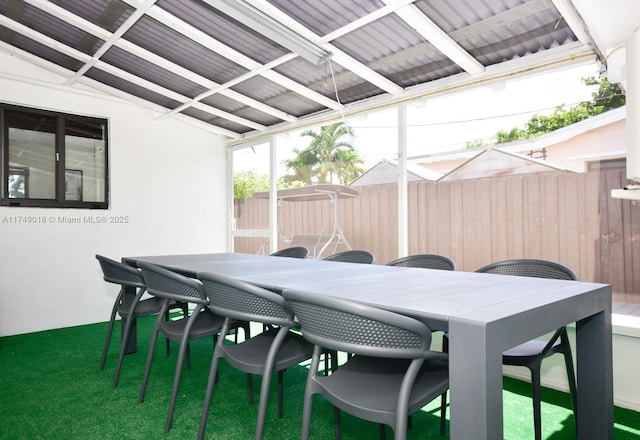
(434, 296)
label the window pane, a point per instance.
(85, 160)
(32, 152)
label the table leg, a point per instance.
(595, 377)
(131, 346)
(475, 371)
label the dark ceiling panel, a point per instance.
(50, 26)
(39, 50)
(220, 27)
(329, 79)
(150, 72)
(324, 17)
(214, 120)
(159, 39)
(278, 97)
(184, 47)
(108, 14)
(130, 88)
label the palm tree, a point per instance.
(329, 158)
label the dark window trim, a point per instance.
(59, 201)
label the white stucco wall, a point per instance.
(167, 178)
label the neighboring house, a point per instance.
(577, 147)
(386, 171)
(496, 162)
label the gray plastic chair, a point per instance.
(531, 353)
(425, 261)
(128, 305)
(353, 256)
(201, 323)
(392, 373)
(274, 350)
(292, 252)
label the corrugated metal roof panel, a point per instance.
(217, 25)
(276, 96)
(133, 89)
(108, 14)
(40, 50)
(213, 120)
(178, 48)
(50, 26)
(149, 71)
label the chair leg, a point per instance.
(280, 393)
(250, 388)
(128, 322)
(382, 430)
(336, 423)
(213, 374)
(107, 341)
(147, 368)
(535, 385)
(188, 356)
(184, 350)
(264, 389)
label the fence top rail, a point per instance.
(311, 192)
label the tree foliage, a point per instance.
(607, 97)
(329, 158)
(246, 183)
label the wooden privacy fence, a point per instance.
(565, 217)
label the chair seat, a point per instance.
(207, 324)
(529, 349)
(146, 307)
(366, 384)
(251, 355)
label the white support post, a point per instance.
(403, 198)
(273, 194)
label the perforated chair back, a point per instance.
(128, 304)
(201, 323)
(530, 268)
(425, 261)
(343, 325)
(292, 252)
(353, 256)
(246, 302)
(387, 351)
(166, 284)
(120, 273)
(275, 349)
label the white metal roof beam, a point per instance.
(98, 87)
(53, 44)
(339, 56)
(422, 24)
(225, 89)
(133, 18)
(43, 39)
(200, 37)
(126, 45)
(576, 23)
(175, 96)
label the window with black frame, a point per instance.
(52, 159)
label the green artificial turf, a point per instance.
(51, 388)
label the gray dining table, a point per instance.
(485, 314)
